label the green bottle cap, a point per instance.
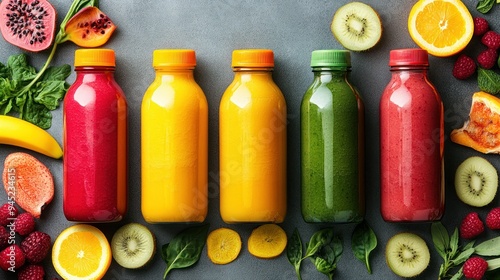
(331, 58)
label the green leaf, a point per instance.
(484, 6)
(319, 239)
(490, 247)
(50, 93)
(20, 69)
(294, 251)
(454, 239)
(363, 242)
(56, 73)
(36, 113)
(457, 275)
(185, 248)
(441, 239)
(164, 250)
(462, 257)
(493, 264)
(327, 257)
(488, 80)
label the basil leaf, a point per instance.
(454, 244)
(490, 247)
(185, 248)
(363, 242)
(462, 257)
(484, 6)
(493, 264)
(294, 251)
(440, 239)
(457, 275)
(488, 80)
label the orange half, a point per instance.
(482, 130)
(442, 27)
(81, 252)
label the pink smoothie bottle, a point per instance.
(95, 141)
(411, 142)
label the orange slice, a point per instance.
(267, 241)
(81, 252)
(442, 27)
(223, 245)
(482, 130)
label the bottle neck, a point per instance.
(415, 68)
(247, 73)
(328, 74)
(171, 73)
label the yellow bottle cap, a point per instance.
(95, 57)
(174, 57)
(253, 58)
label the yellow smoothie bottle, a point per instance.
(252, 139)
(174, 139)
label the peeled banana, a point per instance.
(21, 133)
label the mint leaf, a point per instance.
(488, 81)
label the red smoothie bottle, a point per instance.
(95, 141)
(411, 142)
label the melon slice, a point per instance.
(482, 130)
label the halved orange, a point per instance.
(442, 27)
(81, 252)
(482, 130)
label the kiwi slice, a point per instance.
(407, 254)
(133, 245)
(356, 26)
(476, 181)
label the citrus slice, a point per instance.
(267, 241)
(442, 27)
(223, 245)
(81, 252)
(482, 130)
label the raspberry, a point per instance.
(491, 39)
(36, 246)
(31, 272)
(11, 258)
(471, 226)
(493, 219)
(474, 268)
(464, 67)
(4, 237)
(480, 26)
(24, 224)
(487, 58)
(7, 213)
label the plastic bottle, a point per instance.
(332, 141)
(95, 141)
(174, 133)
(252, 131)
(411, 141)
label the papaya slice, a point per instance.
(28, 182)
(89, 28)
(482, 130)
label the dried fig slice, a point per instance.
(28, 24)
(89, 28)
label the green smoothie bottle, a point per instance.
(332, 143)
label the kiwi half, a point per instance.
(133, 245)
(357, 26)
(476, 181)
(407, 254)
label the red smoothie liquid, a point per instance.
(411, 140)
(94, 169)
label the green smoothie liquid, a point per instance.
(332, 144)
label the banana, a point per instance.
(21, 133)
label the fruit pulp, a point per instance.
(174, 149)
(95, 149)
(411, 142)
(332, 141)
(252, 149)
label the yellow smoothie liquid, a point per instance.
(252, 142)
(174, 134)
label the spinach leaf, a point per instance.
(488, 80)
(327, 257)
(185, 248)
(484, 6)
(441, 239)
(294, 251)
(363, 242)
(318, 239)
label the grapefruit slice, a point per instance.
(28, 181)
(482, 130)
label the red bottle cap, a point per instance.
(408, 57)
